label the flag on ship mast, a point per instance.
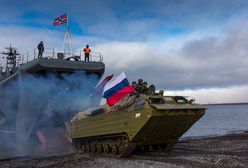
(60, 20)
(67, 45)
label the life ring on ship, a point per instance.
(69, 59)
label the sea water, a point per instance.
(219, 120)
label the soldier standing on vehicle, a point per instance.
(87, 51)
(40, 47)
(144, 88)
(139, 85)
(134, 85)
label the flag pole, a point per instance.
(67, 39)
(71, 49)
(67, 23)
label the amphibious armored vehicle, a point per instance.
(142, 121)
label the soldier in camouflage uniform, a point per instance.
(139, 85)
(144, 88)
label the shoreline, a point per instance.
(231, 133)
(212, 104)
(229, 150)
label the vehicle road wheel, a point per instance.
(92, 148)
(106, 149)
(83, 148)
(87, 148)
(114, 149)
(121, 149)
(99, 148)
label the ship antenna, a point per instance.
(67, 46)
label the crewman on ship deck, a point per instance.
(87, 51)
(40, 47)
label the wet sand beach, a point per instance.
(230, 150)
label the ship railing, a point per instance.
(96, 56)
(51, 53)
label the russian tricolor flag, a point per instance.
(116, 89)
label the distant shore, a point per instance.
(210, 104)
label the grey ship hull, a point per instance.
(55, 65)
(16, 126)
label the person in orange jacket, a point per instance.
(87, 51)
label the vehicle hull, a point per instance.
(146, 126)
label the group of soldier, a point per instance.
(141, 86)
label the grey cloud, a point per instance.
(175, 79)
(225, 54)
(207, 62)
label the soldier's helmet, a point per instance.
(134, 84)
(151, 90)
(140, 81)
(161, 92)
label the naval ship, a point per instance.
(21, 120)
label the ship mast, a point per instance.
(67, 45)
(11, 59)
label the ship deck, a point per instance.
(37, 65)
(44, 65)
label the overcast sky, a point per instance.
(197, 48)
